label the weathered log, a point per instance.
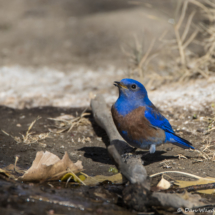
(137, 195)
(133, 170)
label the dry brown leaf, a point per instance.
(163, 184)
(115, 179)
(206, 180)
(48, 166)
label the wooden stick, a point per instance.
(137, 195)
(133, 170)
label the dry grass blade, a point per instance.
(183, 12)
(67, 125)
(203, 155)
(17, 139)
(76, 177)
(190, 39)
(87, 176)
(146, 54)
(16, 160)
(6, 133)
(199, 4)
(178, 172)
(28, 138)
(186, 64)
(68, 180)
(32, 124)
(177, 34)
(211, 129)
(180, 156)
(191, 64)
(186, 30)
(207, 151)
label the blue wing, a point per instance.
(157, 119)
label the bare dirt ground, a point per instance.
(54, 55)
(16, 196)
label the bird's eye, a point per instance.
(133, 86)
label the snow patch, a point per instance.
(29, 87)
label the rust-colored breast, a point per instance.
(138, 128)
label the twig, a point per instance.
(184, 8)
(180, 47)
(146, 54)
(190, 39)
(187, 26)
(144, 58)
(178, 172)
(202, 6)
(192, 188)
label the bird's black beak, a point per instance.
(116, 83)
(119, 85)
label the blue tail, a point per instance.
(178, 141)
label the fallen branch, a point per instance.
(133, 170)
(192, 188)
(137, 195)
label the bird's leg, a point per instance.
(152, 149)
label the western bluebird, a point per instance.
(139, 122)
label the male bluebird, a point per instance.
(139, 122)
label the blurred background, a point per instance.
(63, 52)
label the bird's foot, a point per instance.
(152, 149)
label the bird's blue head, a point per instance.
(132, 94)
(131, 89)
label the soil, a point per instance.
(56, 53)
(17, 197)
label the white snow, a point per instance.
(29, 87)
